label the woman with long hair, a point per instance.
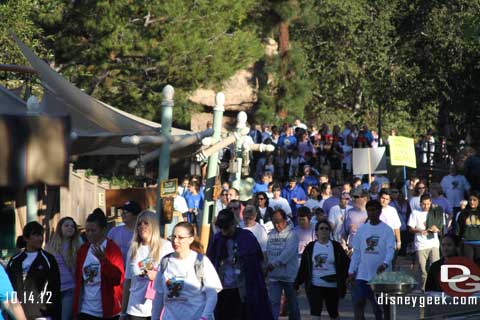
(323, 270)
(64, 245)
(264, 212)
(99, 273)
(144, 255)
(187, 284)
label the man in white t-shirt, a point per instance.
(390, 216)
(258, 230)
(455, 186)
(426, 240)
(373, 251)
(277, 202)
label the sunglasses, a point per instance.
(356, 197)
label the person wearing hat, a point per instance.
(122, 235)
(355, 217)
(237, 258)
(336, 215)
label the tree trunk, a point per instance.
(283, 38)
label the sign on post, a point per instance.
(168, 187)
(402, 151)
(369, 161)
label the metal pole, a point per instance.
(164, 159)
(241, 124)
(212, 170)
(33, 108)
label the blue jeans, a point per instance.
(275, 291)
(360, 294)
(67, 302)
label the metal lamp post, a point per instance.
(212, 170)
(164, 159)
(33, 108)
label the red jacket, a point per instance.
(112, 274)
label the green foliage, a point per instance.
(124, 52)
(416, 60)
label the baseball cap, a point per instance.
(225, 218)
(132, 207)
(359, 192)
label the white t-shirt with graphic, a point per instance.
(323, 264)
(91, 273)
(27, 263)
(418, 220)
(372, 246)
(138, 305)
(183, 296)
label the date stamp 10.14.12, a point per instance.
(28, 297)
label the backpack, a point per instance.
(198, 266)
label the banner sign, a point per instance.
(402, 151)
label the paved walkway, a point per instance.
(403, 312)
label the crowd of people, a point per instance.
(308, 222)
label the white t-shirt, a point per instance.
(336, 216)
(454, 188)
(418, 220)
(91, 273)
(183, 296)
(260, 233)
(323, 264)
(281, 203)
(373, 245)
(27, 263)
(390, 217)
(137, 304)
(180, 204)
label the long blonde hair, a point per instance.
(55, 245)
(155, 243)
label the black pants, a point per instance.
(229, 306)
(130, 317)
(317, 295)
(84, 316)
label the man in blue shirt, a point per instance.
(262, 186)
(295, 196)
(309, 178)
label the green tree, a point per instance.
(125, 51)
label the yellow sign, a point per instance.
(402, 151)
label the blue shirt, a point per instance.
(296, 192)
(260, 187)
(194, 201)
(6, 288)
(309, 181)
